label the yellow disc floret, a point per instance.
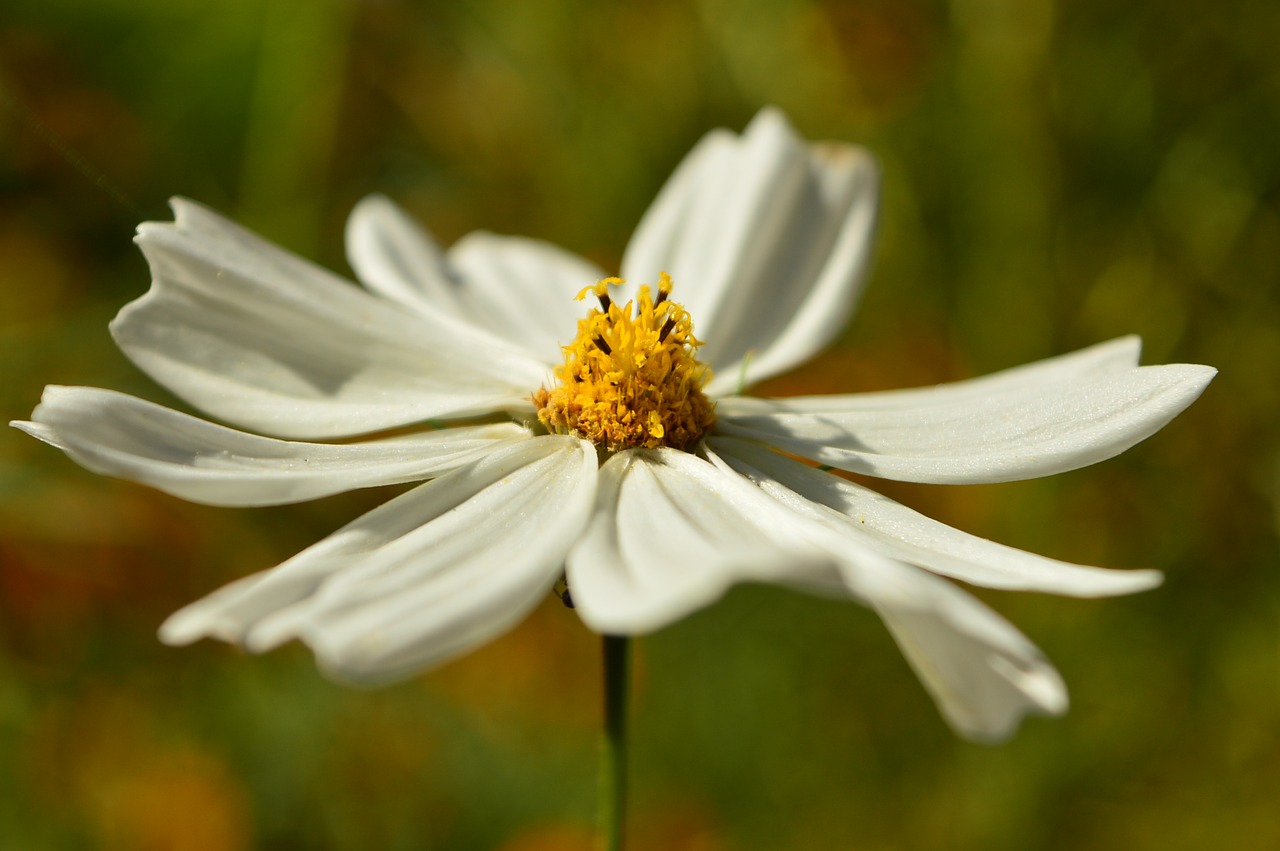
(629, 379)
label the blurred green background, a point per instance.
(1056, 174)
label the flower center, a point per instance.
(629, 378)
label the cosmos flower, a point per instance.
(602, 442)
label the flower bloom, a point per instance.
(622, 460)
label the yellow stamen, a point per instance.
(630, 378)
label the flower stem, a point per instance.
(613, 751)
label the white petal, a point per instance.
(891, 529)
(429, 575)
(670, 534)
(983, 674)
(260, 338)
(394, 257)
(801, 304)
(1115, 355)
(766, 239)
(656, 239)
(119, 435)
(522, 290)
(1018, 430)
(734, 209)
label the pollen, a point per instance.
(630, 378)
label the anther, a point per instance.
(666, 329)
(605, 301)
(561, 590)
(603, 346)
(664, 289)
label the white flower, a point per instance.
(765, 238)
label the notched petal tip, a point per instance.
(374, 201)
(984, 675)
(1041, 686)
(185, 627)
(277, 629)
(1129, 343)
(854, 159)
(187, 212)
(365, 668)
(36, 426)
(184, 209)
(1195, 377)
(40, 432)
(1131, 582)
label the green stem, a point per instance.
(613, 751)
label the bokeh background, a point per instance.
(1056, 174)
